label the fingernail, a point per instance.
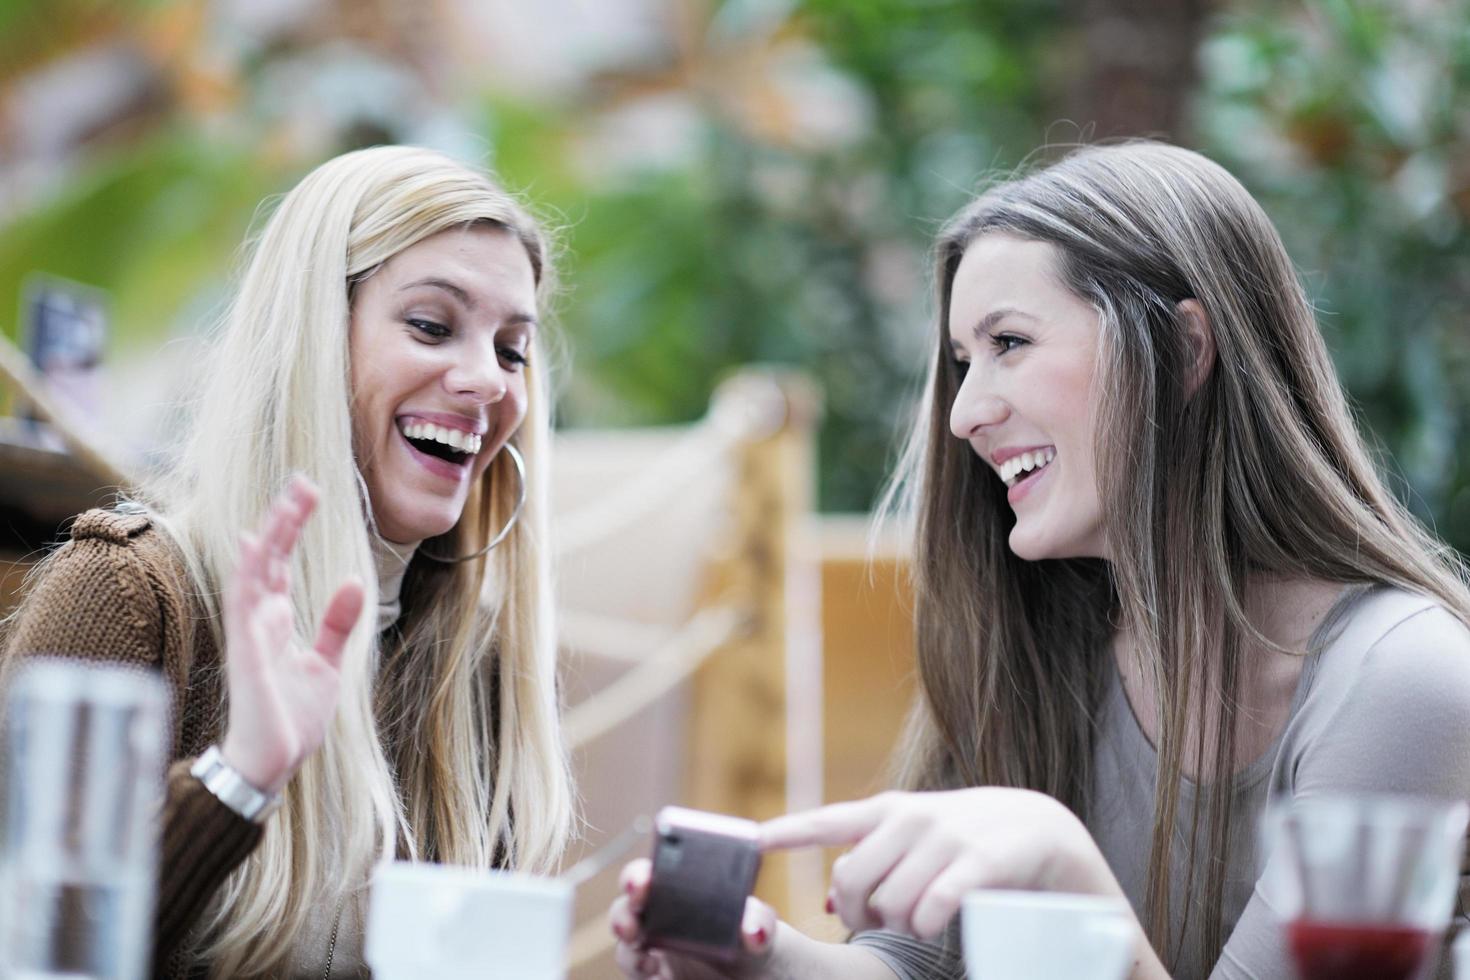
(628, 887)
(831, 906)
(760, 935)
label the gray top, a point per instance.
(1382, 708)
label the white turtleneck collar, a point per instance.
(392, 561)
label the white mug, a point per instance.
(1461, 953)
(427, 920)
(1011, 935)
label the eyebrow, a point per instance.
(465, 299)
(988, 322)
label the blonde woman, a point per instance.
(1159, 584)
(376, 678)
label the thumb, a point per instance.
(758, 927)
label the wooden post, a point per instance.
(756, 717)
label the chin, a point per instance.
(1031, 547)
(1024, 548)
(405, 528)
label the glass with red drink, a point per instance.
(1367, 883)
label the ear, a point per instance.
(1201, 338)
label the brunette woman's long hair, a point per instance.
(1258, 470)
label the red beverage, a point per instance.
(1356, 951)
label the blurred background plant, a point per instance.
(752, 180)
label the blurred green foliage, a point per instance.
(751, 242)
(758, 251)
(1348, 121)
(158, 226)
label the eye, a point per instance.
(1004, 342)
(428, 328)
(513, 356)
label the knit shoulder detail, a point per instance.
(117, 526)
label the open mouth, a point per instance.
(450, 445)
(1021, 467)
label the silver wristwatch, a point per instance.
(231, 788)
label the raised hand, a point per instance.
(915, 855)
(757, 932)
(282, 694)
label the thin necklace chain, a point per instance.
(332, 946)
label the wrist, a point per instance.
(797, 956)
(267, 778)
(1078, 865)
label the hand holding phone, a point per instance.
(704, 868)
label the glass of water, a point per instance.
(85, 753)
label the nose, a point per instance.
(975, 407)
(476, 372)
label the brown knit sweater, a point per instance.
(117, 592)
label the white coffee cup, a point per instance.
(428, 920)
(1461, 954)
(1011, 935)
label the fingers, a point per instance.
(633, 883)
(339, 619)
(944, 895)
(270, 625)
(897, 897)
(623, 916)
(860, 871)
(245, 586)
(288, 513)
(264, 557)
(758, 927)
(632, 957)
(622, 919)
(639, 963)
(830, 826)
(282, 529)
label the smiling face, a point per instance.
(439, 341)
(1028, 349)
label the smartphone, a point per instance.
(704, 867)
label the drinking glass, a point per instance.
(1367, 883)
(84, 783)
(1015, 935)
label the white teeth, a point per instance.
(1025, 462)
(465, 442)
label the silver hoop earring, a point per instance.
(520, 465)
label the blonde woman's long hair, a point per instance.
(1259, 470)
(467, 697)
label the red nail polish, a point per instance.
(831, 906)
(760, 936)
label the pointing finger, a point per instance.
(830, 826)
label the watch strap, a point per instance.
(231, 788)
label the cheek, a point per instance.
(514, 406)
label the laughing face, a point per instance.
(1028, 348)
(440, 337)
